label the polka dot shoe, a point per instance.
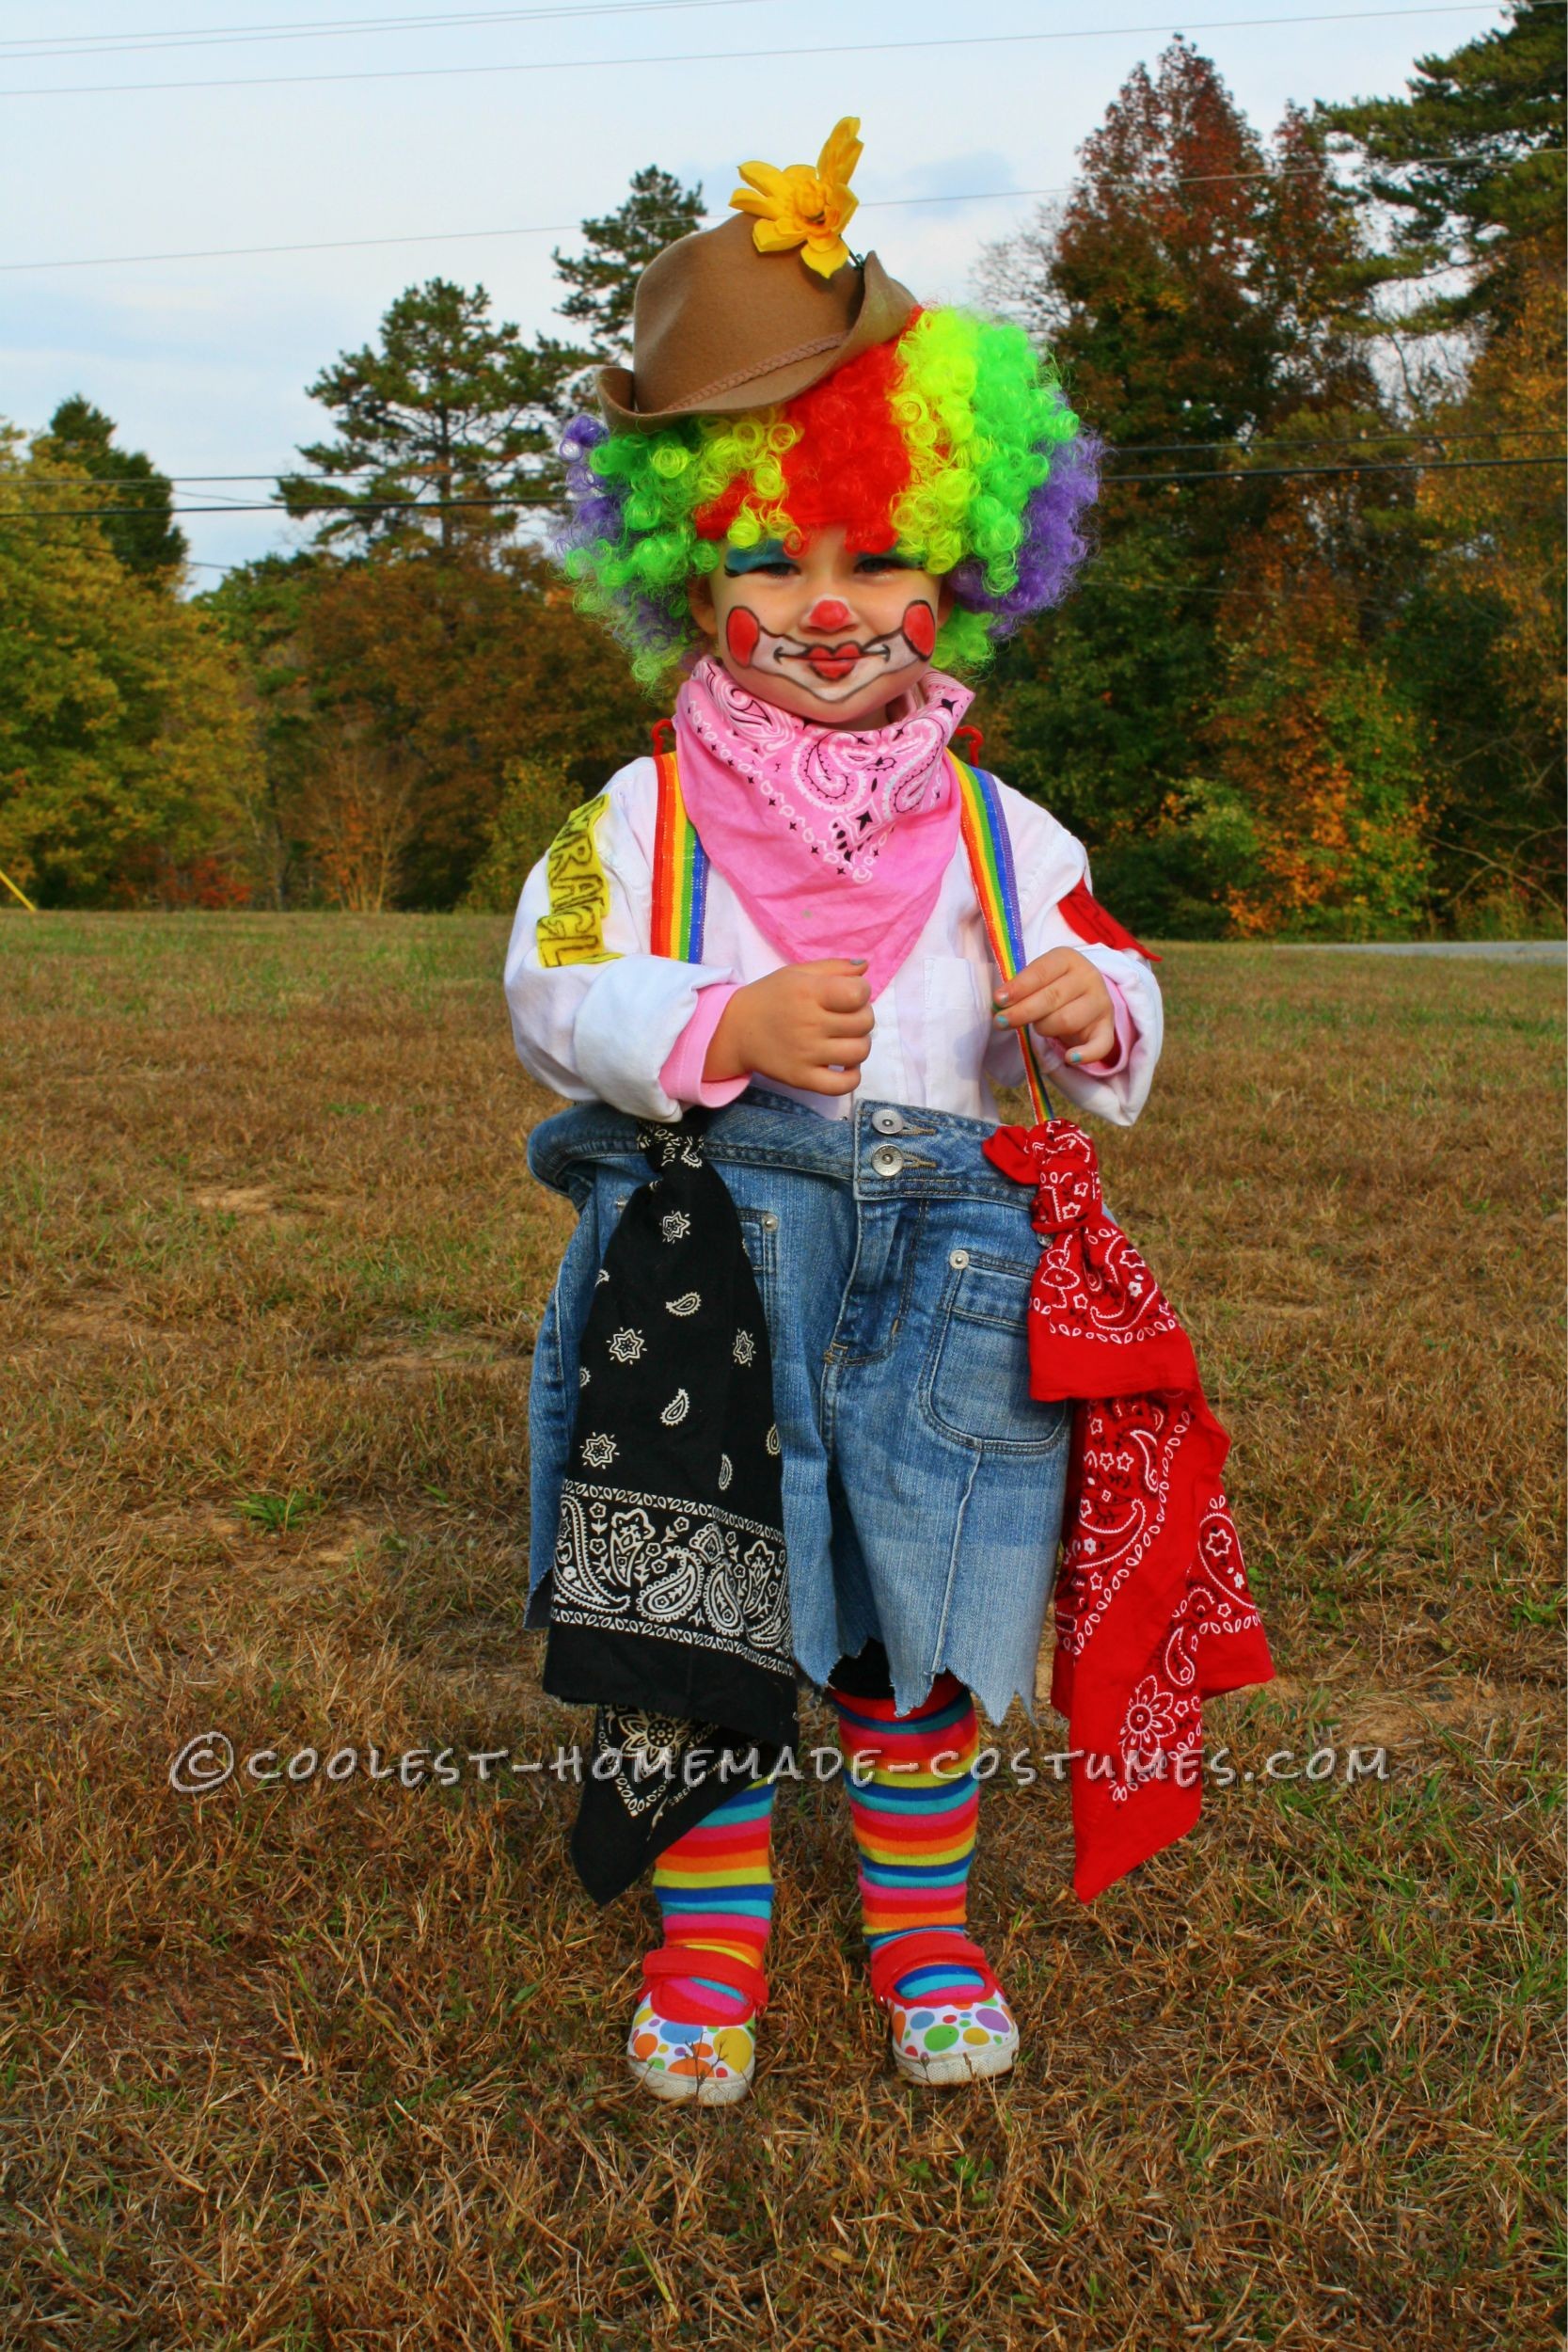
(696, 2058)
(955, 2038)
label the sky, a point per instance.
(481, 119)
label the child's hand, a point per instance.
(1063, 996)
(794, 1027)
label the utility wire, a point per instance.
(91, 45)
(1125, 449)
(574, 228)
(351, 506)
(1388, 465)
(1102, 585)
(536, 229)
(746, 56)
(1182, 449)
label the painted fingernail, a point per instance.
(1000, 1019)
(1076, 1055)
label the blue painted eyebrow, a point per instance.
(739, 559)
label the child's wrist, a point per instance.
(726, 1055)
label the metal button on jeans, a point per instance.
(886, 1161)
(958, 1259)
(887, 1123)
(769, 1222)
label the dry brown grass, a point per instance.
(326, 2066)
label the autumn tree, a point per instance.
(538, 794)
(356, 818)
(261, 610)
(1191, 288)
(1187, 284)
(1481, 634)
(1318, 750)
(125, 746)
(454, 670)
(1467, 172)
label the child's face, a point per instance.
(829, 635)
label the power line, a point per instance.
(455, 237)
(518, 500)
(90, 45)
(1274, 473)
(1236, 441)
(574, 228)
(748, 56)
(1102, 584)
(1126, 448)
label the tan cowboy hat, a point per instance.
(719, 326)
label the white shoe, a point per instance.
(703, 2060)
(711, 2064)
(958, 2037)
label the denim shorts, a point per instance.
(923, 1484)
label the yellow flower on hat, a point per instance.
(799, 206)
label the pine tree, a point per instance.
(1470, 165)
(144, 535)
(620, 247)
(446, 429)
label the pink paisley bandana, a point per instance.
(835, 839)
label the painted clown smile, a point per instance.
(845, 663)
(835, 661)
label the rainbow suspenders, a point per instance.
(680, 885)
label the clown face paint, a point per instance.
(826, 633)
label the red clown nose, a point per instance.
(828, 613)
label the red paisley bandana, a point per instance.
(1153, 1610)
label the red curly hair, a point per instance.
(850, 465)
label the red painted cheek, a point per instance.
(919, 628)
(741, 631)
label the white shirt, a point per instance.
(601, 1027)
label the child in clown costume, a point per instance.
(814, 505)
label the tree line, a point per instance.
(1310, 684)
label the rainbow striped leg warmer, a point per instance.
(715, 1889)
(914, 1822)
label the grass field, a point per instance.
(328, 2065)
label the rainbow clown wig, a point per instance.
(953, 442)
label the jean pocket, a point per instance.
(976, 1382)
(759, 1231)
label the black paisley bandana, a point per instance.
(670, 1592)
